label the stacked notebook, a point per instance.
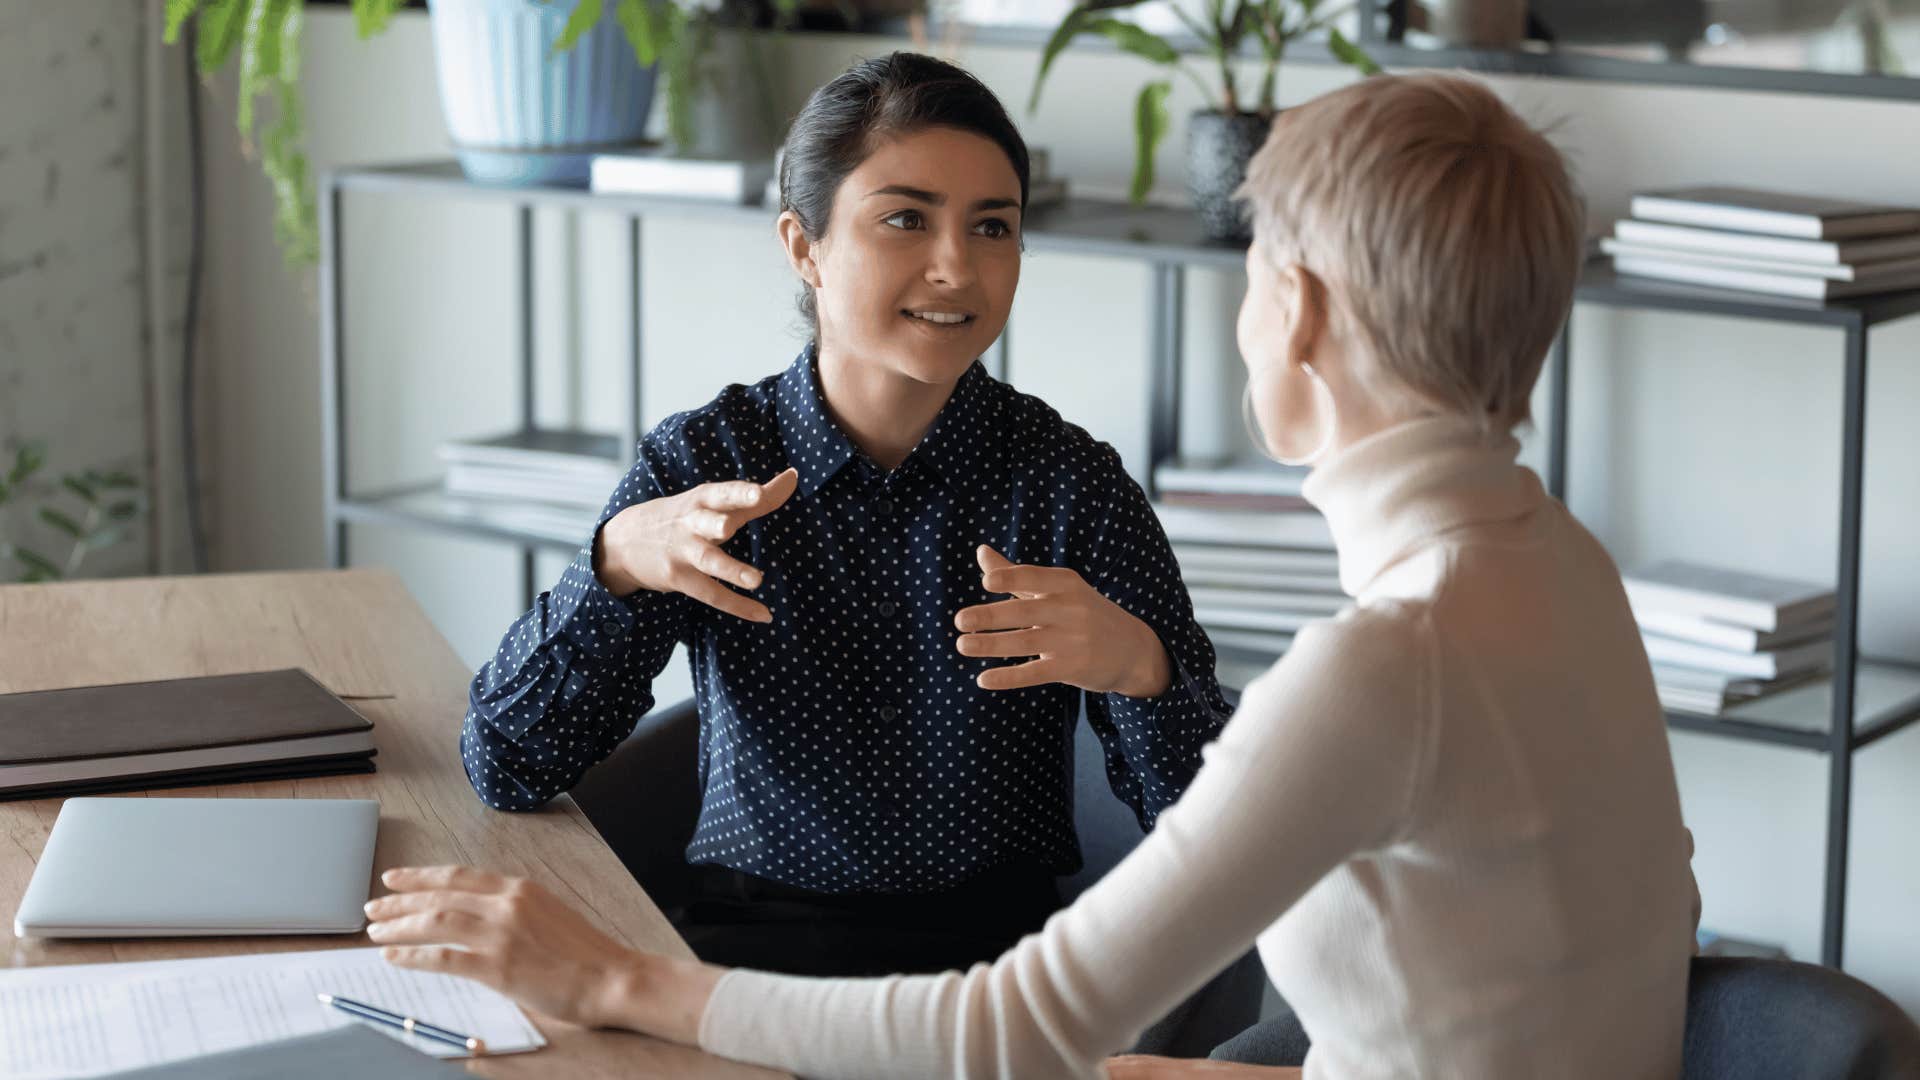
(1769, 242)
(1256, 577)
(269, 725)
(1718, 638)
(553, 468)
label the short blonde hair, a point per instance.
(1449, 229)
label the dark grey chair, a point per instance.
(644, 801)
(1753, 1017)
(1746, 1017)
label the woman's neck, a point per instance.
(884, 412)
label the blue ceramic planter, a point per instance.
(518, 113)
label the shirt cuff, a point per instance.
(598, 623)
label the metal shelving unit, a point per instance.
(1169, 240)
(1865, 700)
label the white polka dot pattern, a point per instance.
(846, 746)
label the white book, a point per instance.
(1229, 477)
(1710, 592)
(720, 179)
(1252, 558)
(553, 450)
(1863, 272)
(588, 494)
(1771, 664)
(1749, 245)
(1292, 528)
(1315, 603)
(1207, 576)
(1285, 622)
(1722, 635)
(1273, 643)
(1775, 213)
(1724, 277)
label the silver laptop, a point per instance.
(199, 867)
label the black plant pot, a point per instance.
(1219, 145)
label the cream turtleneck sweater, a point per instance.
(1448, 817)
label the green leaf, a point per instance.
(1069, 28)
(639, 22)
(1350, 54)
(124, 511)
(372, 16)
(80, 487)
(683, 45)
(27, 461)
(259, 57)
(221, 24)
(584, 15)
(39, 567)
(1131, 38)
(177, 13)
(1149, 127)
(61, 521)
(117, 479)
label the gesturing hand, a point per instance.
(672, 544)
(520, 939)
(1077, 636)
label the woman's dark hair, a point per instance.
(846, 119)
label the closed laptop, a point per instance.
(158, 867)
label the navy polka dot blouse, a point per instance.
(845, 746)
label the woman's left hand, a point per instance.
(1079, 637)
(520, 939)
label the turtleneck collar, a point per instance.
(1395, 491)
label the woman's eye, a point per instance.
(994, 227)
(905, 219)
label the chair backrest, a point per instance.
(1756, 1017)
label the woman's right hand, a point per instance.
(672, 544)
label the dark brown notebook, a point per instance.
(219, 729)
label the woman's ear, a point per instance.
(799, 249)
(1307, 296)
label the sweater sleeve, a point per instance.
(1321, 762)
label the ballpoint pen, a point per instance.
(405, 1023)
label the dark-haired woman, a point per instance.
(896, 577)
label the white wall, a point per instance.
(1694, 437)
(72, 259)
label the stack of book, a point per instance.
(1256, 577)
(1718, 638)
(1231, 484)
(1768, 242)
(555, 476)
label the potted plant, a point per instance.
(1224, 136)
(531, 88)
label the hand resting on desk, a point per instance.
(520, 939)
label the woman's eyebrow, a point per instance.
(935, 198)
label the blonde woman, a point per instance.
(1448, 817)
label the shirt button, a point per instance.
(888, 712)
(610, 628)
(886, 607)
(884, 506)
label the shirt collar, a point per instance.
(964, 445)
(816, 446)
(1397, 490)
(961, 446)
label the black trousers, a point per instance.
(740, 920)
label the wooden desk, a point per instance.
(361, 635)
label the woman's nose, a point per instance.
(951, 261)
